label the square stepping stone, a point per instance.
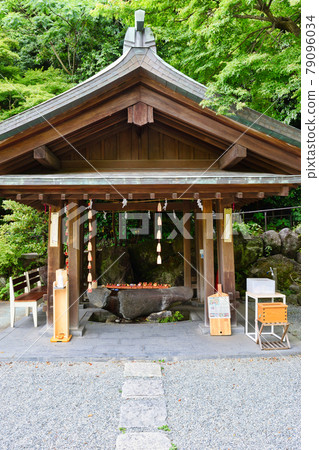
(142, 387)
(143, 413)
(142, 441)
(142, 369)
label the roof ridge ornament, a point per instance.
(139, 36)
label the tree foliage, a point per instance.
(22, 230)
(247, 52)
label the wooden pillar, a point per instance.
(55, 254)
(83, 260)
(74, 263)
(197, 254)
(208, 246)
(199, 259)
(93, 241)
(187, 252)
(226, 263)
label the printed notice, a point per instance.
(218, 307)
(54, 229)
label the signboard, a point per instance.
(54, 229)
(218, 307)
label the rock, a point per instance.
(98, 297)
(272, 242)
(292, 299)
(142, 302)
(155, 317)
(290, 242)
(247, 251)
(111, 318)
(100, 316)
(298, 257)
(43, 273)
(298, 229)
(143, 257)
(295, 288)
(288, 270)
(111, 271)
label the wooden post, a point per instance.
(208, 245)
(187, 252)
(82, 259)
(197, 252)
(74, 263)
(93, 241)
(226, 264)
(199, 260)
(55, 254)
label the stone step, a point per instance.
(143, 441)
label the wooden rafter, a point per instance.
(46, 158)
(233, 156)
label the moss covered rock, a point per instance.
(288, 272)
(290, 243)
(111, 271)
(272, 242)
(247, 251)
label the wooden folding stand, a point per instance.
(61, 308)
(273, 314)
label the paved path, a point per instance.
(5, 315)
(150, 341)
(143, 410)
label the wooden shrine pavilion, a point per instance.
(136, 131)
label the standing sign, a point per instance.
(219, 313)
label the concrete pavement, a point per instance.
(145, 341)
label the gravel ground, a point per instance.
(60, 405)
(212, 404)
(234, 404)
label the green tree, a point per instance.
(23, 230)
(247, 52)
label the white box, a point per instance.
(260, 285)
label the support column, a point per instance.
(199, 259)
(93, 241)
(208, 245)
(82, 259)
(74, 263)
(226, 263)
(55, 253)
(187, 253)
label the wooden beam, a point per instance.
(142, 206)
(46, 158)
(233, 156)
(284, 191)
